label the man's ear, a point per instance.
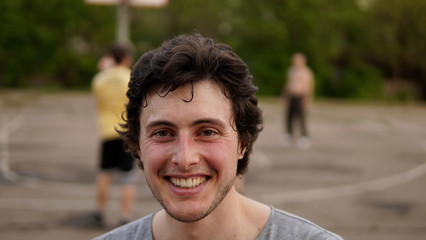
(140, 162)
(241, 153)
(139, 154)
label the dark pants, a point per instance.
(296, 112)
(114, 156)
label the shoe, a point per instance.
(99, 219)
(304, 143)
(285, 140)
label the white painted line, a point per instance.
(70, 189)
(50, 204)
(6, 128)
(279, 198)
(346, 190)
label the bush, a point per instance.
(356, 80)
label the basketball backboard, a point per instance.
(133, 3)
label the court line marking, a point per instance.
(7, 126)
(275, 198)
(354, 188)
(44, 204)
(346, 190)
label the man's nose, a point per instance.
(184, 152)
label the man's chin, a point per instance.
(188, 218)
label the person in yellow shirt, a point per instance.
(109, 87)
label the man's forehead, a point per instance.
(204, 99)
(188, 91)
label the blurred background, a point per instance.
(363, 177)
(371, 49)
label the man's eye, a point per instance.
(208, 133)
(162, 133)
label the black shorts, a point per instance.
(114, 156)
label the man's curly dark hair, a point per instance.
(185, 60)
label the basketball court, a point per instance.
(363, 177)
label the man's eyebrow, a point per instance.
(212, 121)
(159, 123)
(208, 121)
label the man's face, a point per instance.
(189, 149)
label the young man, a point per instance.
(109, 87)
(192, 119)
(297, 95)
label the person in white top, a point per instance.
(297, 95)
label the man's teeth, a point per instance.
(187, 182)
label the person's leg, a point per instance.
(127, 179)
(103, 183)
(290, 116)
(127, 200)
(303, 142)
(302, 117)
(288, 123)
(296, 109)
(303, 128)
(103, 180)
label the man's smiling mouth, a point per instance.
(187, 182)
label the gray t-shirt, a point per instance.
(280, 225)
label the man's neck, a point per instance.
(230, 220)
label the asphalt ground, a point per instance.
(363, 176)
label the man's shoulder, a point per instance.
(135, 230)
(283, 225)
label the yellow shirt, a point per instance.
(110, 87)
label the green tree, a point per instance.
(396, 45)
(49, 42)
